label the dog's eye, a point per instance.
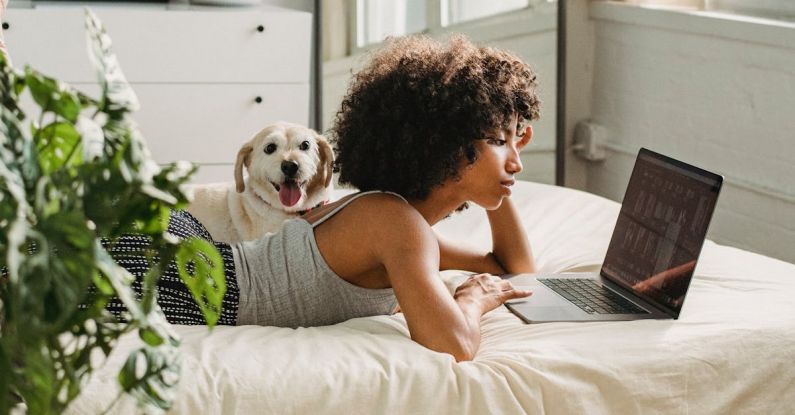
(270, 148)
(304, 146)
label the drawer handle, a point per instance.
(260, 28)
(258, 100)
(6, 26)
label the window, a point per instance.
(456, 11)
(377, 19)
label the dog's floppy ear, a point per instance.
(243, 157)
(326, 158)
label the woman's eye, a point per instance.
(304, 146)
(270, 148)
(496, 142)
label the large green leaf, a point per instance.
(150, 374)
(202, 269)
(5, 381)
(58, 143)
(17, 151)
(71, 266)
(92, 136)
(119, 98)
(53, 95)
(12, 83)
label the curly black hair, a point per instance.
(412, 114)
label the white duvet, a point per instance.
(731, 350)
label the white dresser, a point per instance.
(207, 78)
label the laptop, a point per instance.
(651, 257)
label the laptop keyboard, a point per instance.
(591, 296)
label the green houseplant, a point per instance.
(76, 175)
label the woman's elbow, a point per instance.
(514, 266)
(463, 350)
(463, 356)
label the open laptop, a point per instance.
(651, 257)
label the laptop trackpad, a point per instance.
(541, 314)
(542, 296)
(544, 305)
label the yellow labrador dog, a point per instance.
(289, 172)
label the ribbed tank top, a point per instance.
(284, 280)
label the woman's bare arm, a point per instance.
(511, 252)
(510, 245)
(409, 251)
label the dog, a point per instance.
(289, 172)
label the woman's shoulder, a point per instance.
(381, 211)
(382, 206)
(385, 200)
(389, 225)
(371, 228)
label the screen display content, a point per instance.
(661, 228)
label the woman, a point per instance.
(425, 128)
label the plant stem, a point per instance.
(112, 404)
(41, 121)
(71, 152)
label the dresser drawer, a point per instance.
(209, 123)
(205, 123)
(160, 45)
(214, 173)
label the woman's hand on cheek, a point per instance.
(487, 292)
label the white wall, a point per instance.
(579, 78)
(714, 91)
(531, 34)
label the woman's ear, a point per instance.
(526, 137)
(243, 158)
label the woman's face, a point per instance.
(489, 179)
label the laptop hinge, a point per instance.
(632, 297)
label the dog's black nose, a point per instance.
(289, 168)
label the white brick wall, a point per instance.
(531, 35)
(715, 92)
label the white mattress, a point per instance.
(731, 351)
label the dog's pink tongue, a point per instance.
(289, 193)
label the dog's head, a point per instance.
(289, 167)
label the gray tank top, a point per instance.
(284, 280)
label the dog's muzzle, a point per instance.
(289, 168)
(289, 191)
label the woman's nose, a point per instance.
(514, 162)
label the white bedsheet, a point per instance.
(731, 351)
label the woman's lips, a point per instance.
(507, 185)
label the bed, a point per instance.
(731, 351)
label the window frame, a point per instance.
(770, 9)
(433, 16)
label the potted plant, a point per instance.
(73, 177)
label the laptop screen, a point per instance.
(660, 230)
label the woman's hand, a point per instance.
(487, 292)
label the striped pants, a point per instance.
(173, 295)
